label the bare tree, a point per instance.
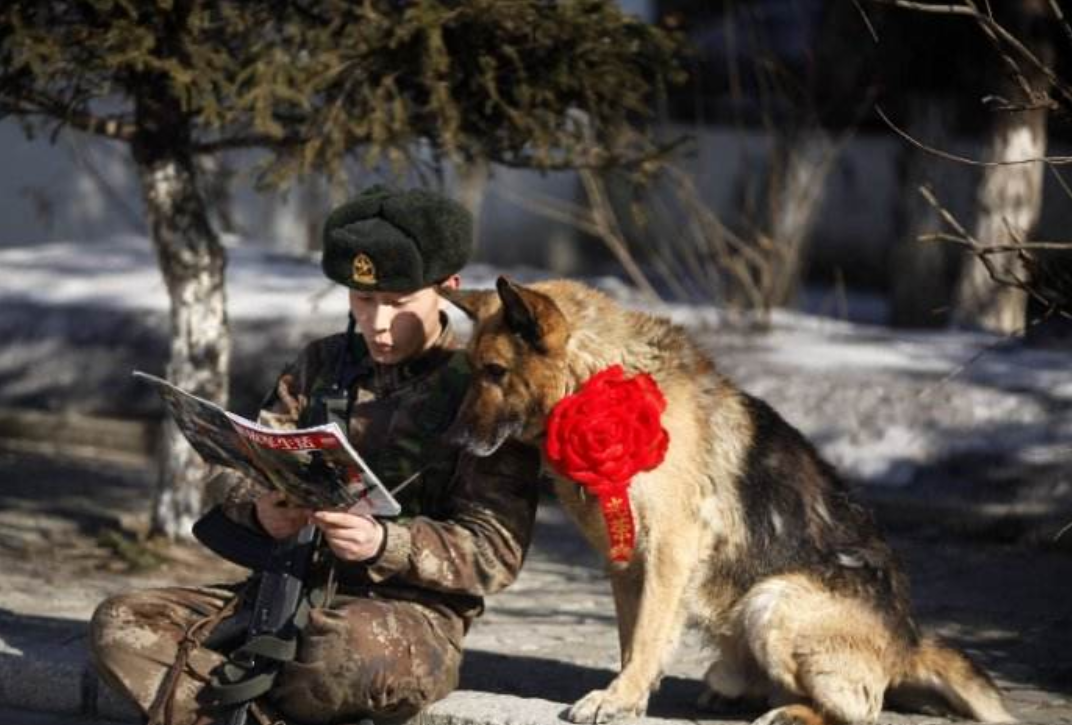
(927, 66)
(921, 276)
(1009, 194)
(1048, 285)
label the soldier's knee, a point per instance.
(108, 627)
(121, 624)
(318, 693)
(110, 616)
(307, 692)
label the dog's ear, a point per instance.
(532, 315)
(476, 304)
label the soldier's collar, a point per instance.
(388, 378)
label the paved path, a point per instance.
(542, 644)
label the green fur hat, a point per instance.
(390, 240)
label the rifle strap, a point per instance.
(251, 669)
(249, 687)
(161, 712)
(269, 646)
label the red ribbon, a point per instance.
(603, 435)
(618, 517)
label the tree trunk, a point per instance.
(1009, 204)
(218, 180)
(802, 161)
(192, 262)
(472, 187)
(805, 148)
(1009, 198)
(921, 273)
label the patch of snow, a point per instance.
(122, 274)
(892, 456)
(882, 405)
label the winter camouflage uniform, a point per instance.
(390, 641)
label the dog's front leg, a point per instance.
(627, 585)
(660, 617)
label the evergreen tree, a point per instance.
(526, 83)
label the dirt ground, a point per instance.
(66, 518)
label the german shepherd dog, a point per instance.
(743, 528)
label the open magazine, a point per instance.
(315, 467)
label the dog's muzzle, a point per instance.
(463, 437)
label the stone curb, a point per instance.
(67, 687)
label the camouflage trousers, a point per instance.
(362, 657)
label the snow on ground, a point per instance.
(123, 275)
(886, 406)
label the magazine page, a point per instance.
(315, 467)
(207, 427)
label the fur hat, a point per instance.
(392, 240)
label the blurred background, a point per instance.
(859, 208)
(811, 183)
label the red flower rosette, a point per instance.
(602, 436)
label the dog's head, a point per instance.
(518, 357)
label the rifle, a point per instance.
(279, 611)
(281, 607)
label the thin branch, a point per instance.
(256, 140)
(610, 231)
(616, 160)
(598, 220)
(568, 213)
(1061, 19)
(1052, 160)
(866, 19)
(132, 217)
(940, 9)
(958, 370)
(1060, 180)
(980, 251)
(116, 128)
(968, 10)
(1013, 66)
(999, 248)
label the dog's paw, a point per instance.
(600, 706)
(791, 715)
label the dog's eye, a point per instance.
(494, 372)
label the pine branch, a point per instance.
(248, 141)
(116, 128)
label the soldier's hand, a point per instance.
(353, 537)
(278, 519)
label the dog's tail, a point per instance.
(934, 669)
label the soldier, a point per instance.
(389, 642)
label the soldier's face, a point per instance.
(396, 326)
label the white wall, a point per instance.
(84, 189)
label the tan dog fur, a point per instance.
(742, 529)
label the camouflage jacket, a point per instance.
(466, 522)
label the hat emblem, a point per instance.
(364, 271)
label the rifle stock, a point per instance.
(279, 611)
